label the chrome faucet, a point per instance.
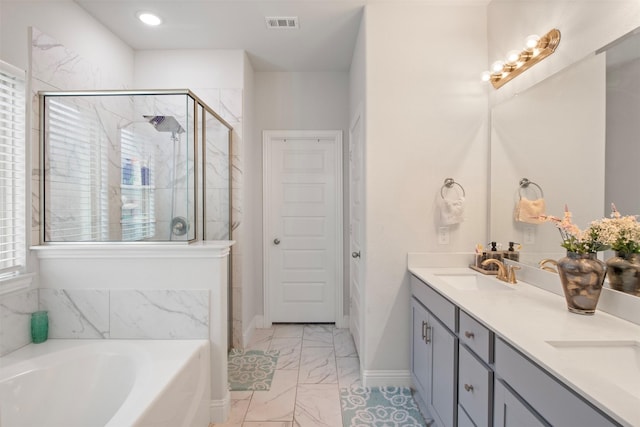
(506, 273)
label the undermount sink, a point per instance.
(474, 282)
(617, 361)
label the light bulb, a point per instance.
(497, 67)
(512, 57)
(531, 42)
(486, 76)
(149, 18)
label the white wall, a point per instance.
(426, 120)
(297, 101)
(70, 25)
(253, 193)
(188, 69)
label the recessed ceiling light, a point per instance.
(149, 18)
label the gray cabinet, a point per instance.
(475, 379)
(510, 411)
(552, 400)
(433, 364)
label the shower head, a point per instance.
(165, 124)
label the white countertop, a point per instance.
(528, 317)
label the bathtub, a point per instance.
(106, 383)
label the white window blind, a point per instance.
(138, 218)
(12, 170)
(76, 178)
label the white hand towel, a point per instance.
(451, 211)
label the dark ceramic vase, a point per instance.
(624, 272)
(582, 276)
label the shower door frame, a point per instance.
(199, 146)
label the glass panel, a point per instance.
(119, 167)
(218, 177)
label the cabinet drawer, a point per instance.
(476, 337)
(434, 302)
(552, 400)
(475, 388)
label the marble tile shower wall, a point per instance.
(106, 314)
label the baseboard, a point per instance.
(386, 378)
(345, 322)
(219, 409)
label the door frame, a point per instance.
(358, 118)
(267, 136)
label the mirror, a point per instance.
(575, 136)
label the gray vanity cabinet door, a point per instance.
(420, 350)
(509, 411)
(433, 364)
(443, 384)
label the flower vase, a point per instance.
(582, 276)
(624, 272)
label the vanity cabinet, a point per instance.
(468, 376)
(552, 400)
(434, 356)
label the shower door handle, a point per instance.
(276, 241)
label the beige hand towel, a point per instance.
(529, 210)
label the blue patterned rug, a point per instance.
(379, 407)
(251, 369)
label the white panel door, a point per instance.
(356, 233)
(303, 225)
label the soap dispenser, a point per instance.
(494, 251)
(511, 253)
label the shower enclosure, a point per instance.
(133, 166)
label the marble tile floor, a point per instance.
(315, 362)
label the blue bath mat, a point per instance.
(251, 369)
(379, 407)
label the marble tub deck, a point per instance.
(315, 362)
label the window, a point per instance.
(76, 171)
(137, 190)
(12, 170)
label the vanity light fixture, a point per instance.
(535, 50)
(149, 18)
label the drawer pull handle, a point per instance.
(469, 335)
(425, 332)
(468, 387)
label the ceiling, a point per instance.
(324, 41)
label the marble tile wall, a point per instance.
(15, 318)
(105, 314)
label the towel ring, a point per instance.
(448, 183)
(524, 183)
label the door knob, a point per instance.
(355, 254)
(276, 241)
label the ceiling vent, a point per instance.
(282, 22)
